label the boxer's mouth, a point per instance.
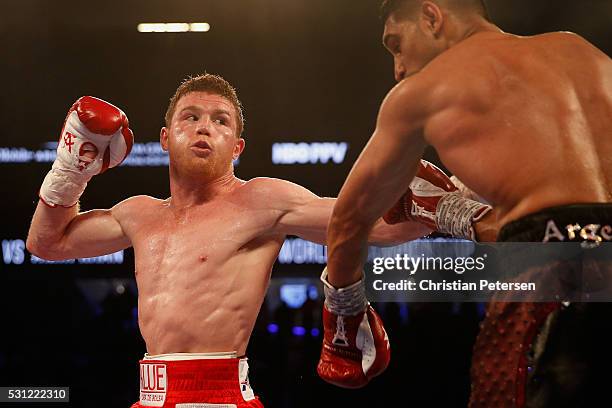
(201, 144)
(201, 149)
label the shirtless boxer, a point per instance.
(525, 122)
(203, 256)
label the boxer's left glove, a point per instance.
(435, 201)
(355, 344)
(94, 138)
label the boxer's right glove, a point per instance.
(355, 345)
(94, 138)
(435, 201)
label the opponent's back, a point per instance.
(525, 121)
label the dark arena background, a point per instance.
(311, 75)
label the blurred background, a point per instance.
(311, 75)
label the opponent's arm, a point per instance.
(95, 137)
(378, 184)
(307, 216)
(380, 176)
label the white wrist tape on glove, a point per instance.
(347, 301)
(455, 215)
(62, 187)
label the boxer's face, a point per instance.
(201, 139)
(411, 43)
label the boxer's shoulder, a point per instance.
(140, 202)
(136, 207)
(461, 78)
(562, 37)
(260, 184)
(573, 48)
(434, 91)
(277, 195)
(465, 64)
(272, 188)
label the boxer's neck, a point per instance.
(463, 31)
(185, 192)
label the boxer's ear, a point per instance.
(163, 138)
(431, 18)
(238, 147)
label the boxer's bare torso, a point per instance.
(202, 272)
(524, 121)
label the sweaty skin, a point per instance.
(537, 110)
(204, 256)
(525, 122)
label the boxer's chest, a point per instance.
(203, 237)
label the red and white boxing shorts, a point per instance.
(202, 380)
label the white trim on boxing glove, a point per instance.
(365, 343)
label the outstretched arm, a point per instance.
(307, 216)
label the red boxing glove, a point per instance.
(94, 138)
(355, 348)
(355, 345)
(433, 200)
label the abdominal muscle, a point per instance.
(201, 281)
(202, 308)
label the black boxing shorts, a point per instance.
(549, 354)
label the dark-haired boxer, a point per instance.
(203, 256)
(526, 123)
